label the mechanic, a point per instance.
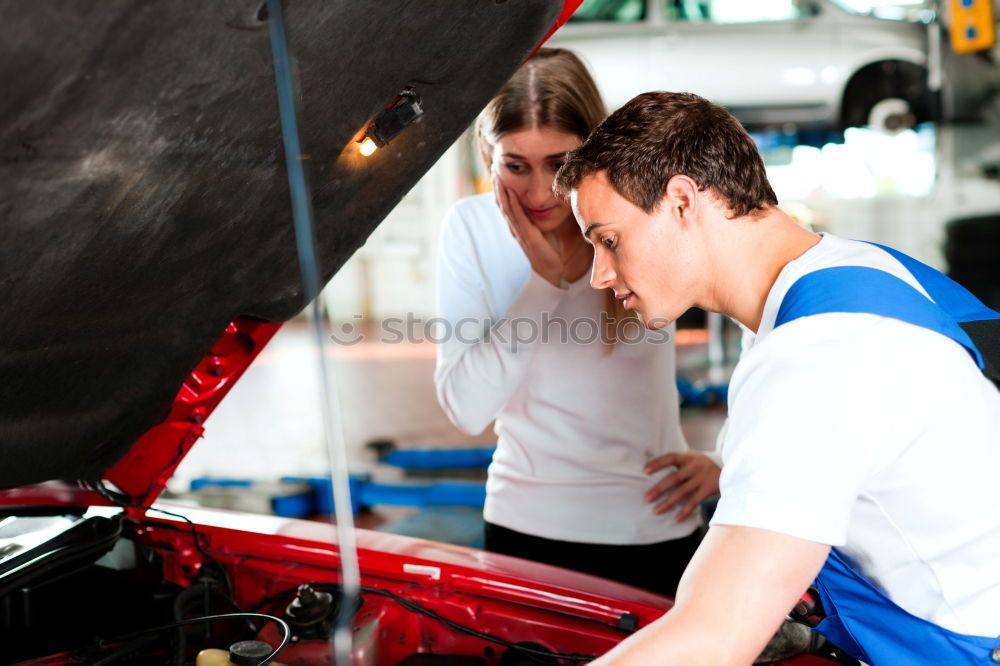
(608, 488)
(862, 440)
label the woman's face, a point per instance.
(526, 162)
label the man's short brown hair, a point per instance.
(658, 135)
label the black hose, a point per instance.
(285, 630)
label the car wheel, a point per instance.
(891, 116)
(888, 96)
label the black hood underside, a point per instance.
(144, 199)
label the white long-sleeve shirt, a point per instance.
(575, 424)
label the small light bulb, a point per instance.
(368, 146)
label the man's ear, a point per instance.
(681, 198)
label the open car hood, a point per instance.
(148, 249)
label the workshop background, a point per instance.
(917, 167)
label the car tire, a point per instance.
(887, 96)
(891, 116)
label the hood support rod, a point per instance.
(302, 216)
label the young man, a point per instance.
(863, 438)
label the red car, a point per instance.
(148, 255)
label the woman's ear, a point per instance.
(681, 198)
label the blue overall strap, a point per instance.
(980, 322)
(950, 296)
(865, 623)
(867, 290)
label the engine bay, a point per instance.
(105, 586)
(109, 589)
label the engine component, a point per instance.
(243, 653)
(249, 653)
(311, 613)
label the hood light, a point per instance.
(401, 112)
(367, 146)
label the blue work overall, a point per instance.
(859, 618)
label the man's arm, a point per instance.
(732, 598)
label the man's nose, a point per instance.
(602, 275)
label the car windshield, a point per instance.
(617, 11)
(898, 10)
(714, 11)
(730, 11)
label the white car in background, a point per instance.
(785, 64)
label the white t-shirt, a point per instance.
(575, 425)
(876, 436)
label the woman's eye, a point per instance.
(608, 242)
(514, 167)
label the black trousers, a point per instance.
(656, 567)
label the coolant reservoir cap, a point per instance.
(249, 653)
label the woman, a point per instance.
(585, 405)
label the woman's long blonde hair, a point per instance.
(553, 89)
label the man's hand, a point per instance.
(543, 250)
(733, 597)
(695, 479)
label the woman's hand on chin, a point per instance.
(542, 249)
